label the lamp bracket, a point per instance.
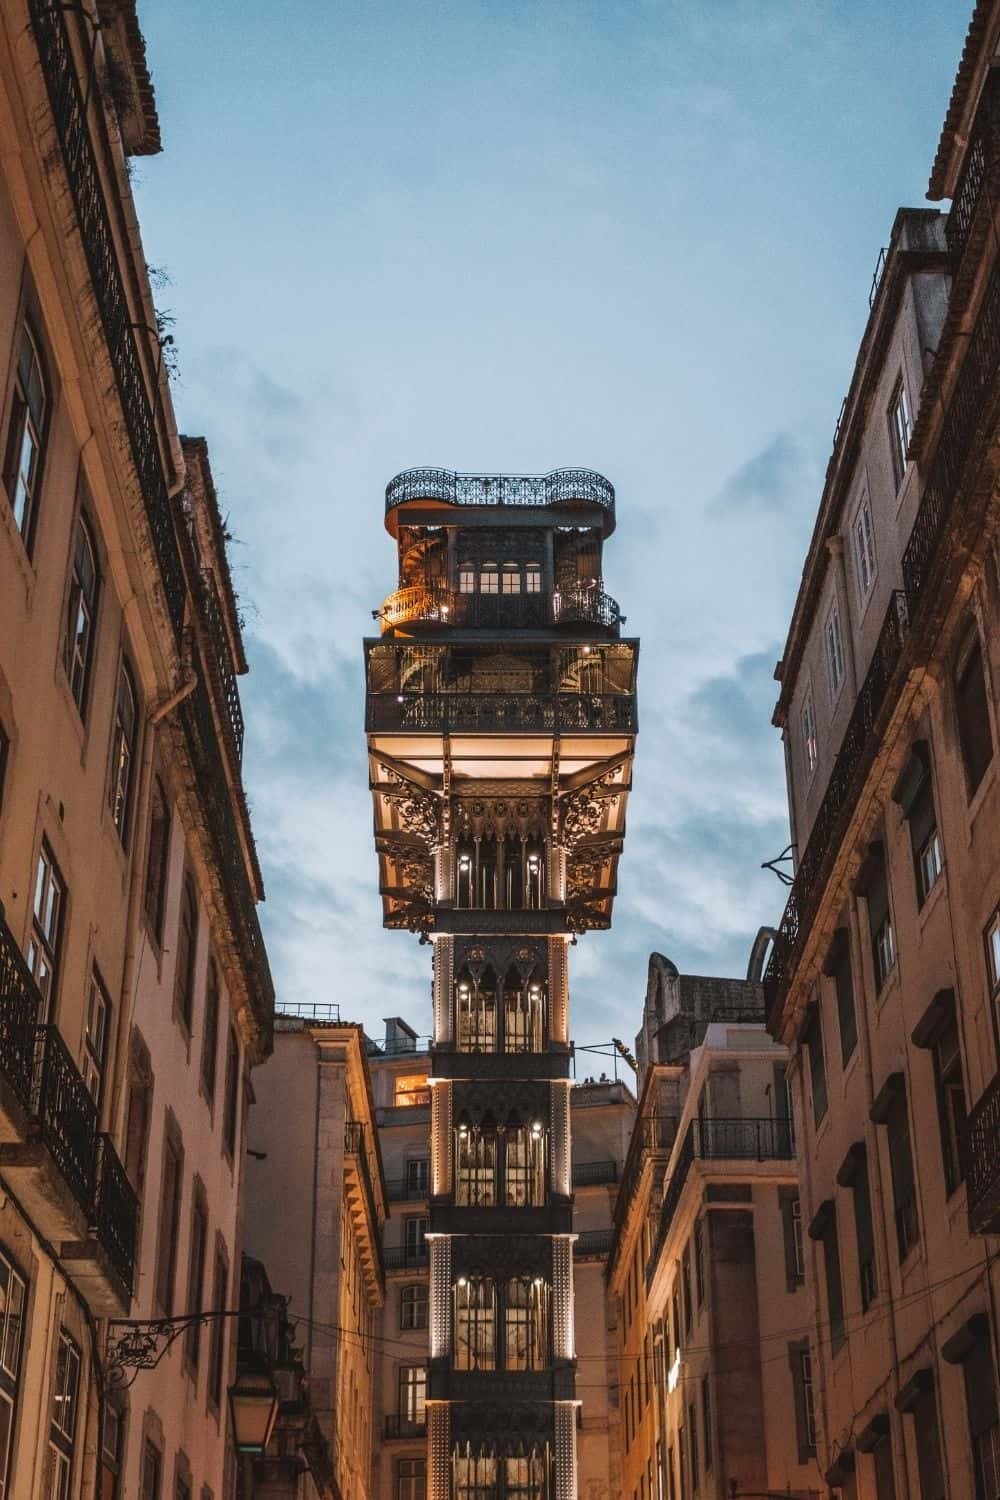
(135, 1344)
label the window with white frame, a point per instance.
(466, 578)
(865, 560)
(810, 748)
(993, 951)
(511, 577)
(834, 643)
(489, 578)
(46, 927)
(900, 427)
(533, 578)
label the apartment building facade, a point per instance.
(315, 1206)
(136, 994)
(884, 975)
(707, 1263)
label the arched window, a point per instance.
(466, 578)
(526, 1323)
(489, 578)
(413, 1306)
(124, 734)
(523, 1014)
(475, 1323)
(187, 941)
(524, 1165)
(81, 614)
(157, 855)
(476, 1012)
(532, 578)
(476, 1165)
(973, 710)
(26, 433)
(511, 578)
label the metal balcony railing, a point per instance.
(562, 486)
(490, 713)
(432, 605)
(401, 1190)
(654, 1134)
(397, 1426)
(402, 1257)
(730, 1140)
(591, 1173)
(116, 1211)
(223, 660)
(593, 1242)
(20, 1006)
(64, 1115)
(981, 1152)
(981, 157)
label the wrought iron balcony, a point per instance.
(726, 1140)
(222, 661)
(491, 713)
(592, 1173)
(982, 1161)
(593, 1243)
(406, 1257)
(116, 1212)
(119, 322)
(64, 1115)
(561, 487)
(398, 1427)
(422, 604)
(20, 1006)
(857, 750)
(401, 1190)
(981, 159)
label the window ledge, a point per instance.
(21, 555)
(889, 986)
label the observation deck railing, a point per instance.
(421, 604)
(561, 486)
(516, 713)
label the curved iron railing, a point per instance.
(116, 1211)
(562, 486)
(430, 605)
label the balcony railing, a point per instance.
(593, 1242)
(116, 1211)
(431, 605)
(20, 1006)
(223, 659)
(59, 69)
(490, 713)
(397, 1427)
(593, 1173)
(730, 1140)
(654, 1135)
(401, 1190)
(982, 1161)
(560, 487)
(406, 1257)
(64, 1115)
(981, 157)
(853, 759)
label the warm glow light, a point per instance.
(462, 1281)
(536, 1128)
(674, 1373)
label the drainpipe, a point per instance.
(155, 716)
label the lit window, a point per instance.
(413, 1394)
(864, 549)
(834, 650)
(411, 1089)
(466, 578)
(511, 578)
(123, 743)
(526, 1323)
(489, 578)
(900, 427)
(533, 578)
(81, 612)
(46, 928)
(810, 748)
(475, 1323)
(413, 1306)
(25, 437)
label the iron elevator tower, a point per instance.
(501, 722)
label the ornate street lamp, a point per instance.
(253, 1406)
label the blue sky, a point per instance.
(636, 235)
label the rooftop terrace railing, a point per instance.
(490, 713)
(559, 487)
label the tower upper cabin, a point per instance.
(500, 711)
